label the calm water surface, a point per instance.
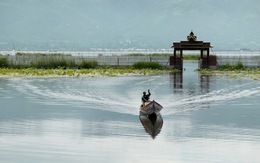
(205, 119)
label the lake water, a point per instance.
(205, 119)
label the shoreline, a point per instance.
(253, 74)
(56, 73)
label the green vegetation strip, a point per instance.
(252, 73)
(34, 72)
(62, 67)
(237, 70)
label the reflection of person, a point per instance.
(146, 97)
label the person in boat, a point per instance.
(146, 97)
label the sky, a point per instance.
(115, 24)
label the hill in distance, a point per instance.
(84, 24)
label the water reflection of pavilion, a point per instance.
(177, 80)
(204, 82)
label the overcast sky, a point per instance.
(83, 24)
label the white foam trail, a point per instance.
(199, 101)
(127, 103)
(81, 99)
(143, 82)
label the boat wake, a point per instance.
(112, 95)
(46, 92)
(206, 100)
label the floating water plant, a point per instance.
(33, 72)
(234, 71)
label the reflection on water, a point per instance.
(177, 80)
(152, 123)
(204, 83)
(205, 119)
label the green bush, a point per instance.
(88, 64)
(147, 65)
(49, 62)
(3, 62)
(53, 62)
(239, 65)
(227, 66)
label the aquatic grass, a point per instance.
(86, 64)
(48, 61)
(54, 62)
(252, 73)
(63, 66)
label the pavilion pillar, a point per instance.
(208, 60)
(174, 58)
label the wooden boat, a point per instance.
(150, 107)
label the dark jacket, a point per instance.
(146, 97)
